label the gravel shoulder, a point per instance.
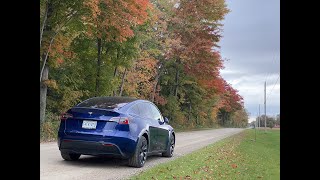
(52, 166)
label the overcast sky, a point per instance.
(251, 43)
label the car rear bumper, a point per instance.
(90, 148)
(113, 146)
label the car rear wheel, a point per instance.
(70, 156)
(140, 155)
(170, 148)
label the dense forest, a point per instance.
(165, 51)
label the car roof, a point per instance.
(115, 99)
(106, 102)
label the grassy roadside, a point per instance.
(236, 157)
(49, 129)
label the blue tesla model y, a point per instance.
(118, 126)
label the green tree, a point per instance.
(58, 23)
(271, 122)
(278, 119)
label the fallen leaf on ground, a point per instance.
(234, 166)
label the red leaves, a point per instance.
(141, 80)
(60, 49)
(234, 166)
(231, 100)
(59, 61)
(194, 42)
(158, 99)
(117, 18)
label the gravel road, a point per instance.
(52, 166)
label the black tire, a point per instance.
(140, 155)
(70, 156)
(170, 148)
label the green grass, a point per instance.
(236, 157)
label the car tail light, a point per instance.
(65, 116)
(120, 120)
(124, 120)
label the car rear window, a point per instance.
(106, 102)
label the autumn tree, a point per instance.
(111, 21)
(144, 76)
(232, 102)
(191, 57)
(240, 118)
(80, 22)
(58, 24)
(163, 51)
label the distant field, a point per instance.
(237, 157)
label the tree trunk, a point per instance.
(44, 20)
(155, 85)
(114, 75)
(115, 71)
(197, 123)
(98, 66)
(45, 68)
(46, 56)
(122, 81)
(189, 117)
(43, 94)
(176, 81)
(154, 89)
(223, 118)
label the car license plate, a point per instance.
(89, 124)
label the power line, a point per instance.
(273, 60)
(267, 77)
(266, 97)
(273, 86)
(275, 83)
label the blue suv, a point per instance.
(115, 126)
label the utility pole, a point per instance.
(265, 106)
(259, 117)
(255, 132)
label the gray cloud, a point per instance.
(251, 42)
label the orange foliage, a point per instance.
(59, 50)
(116, 21)
(140, 78)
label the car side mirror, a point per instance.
(166, 120)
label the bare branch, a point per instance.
(44, 21)
(122, 81)
(68, 18)
(46, 57)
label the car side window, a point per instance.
(145, 110)
(134, 110)
(155, 113)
